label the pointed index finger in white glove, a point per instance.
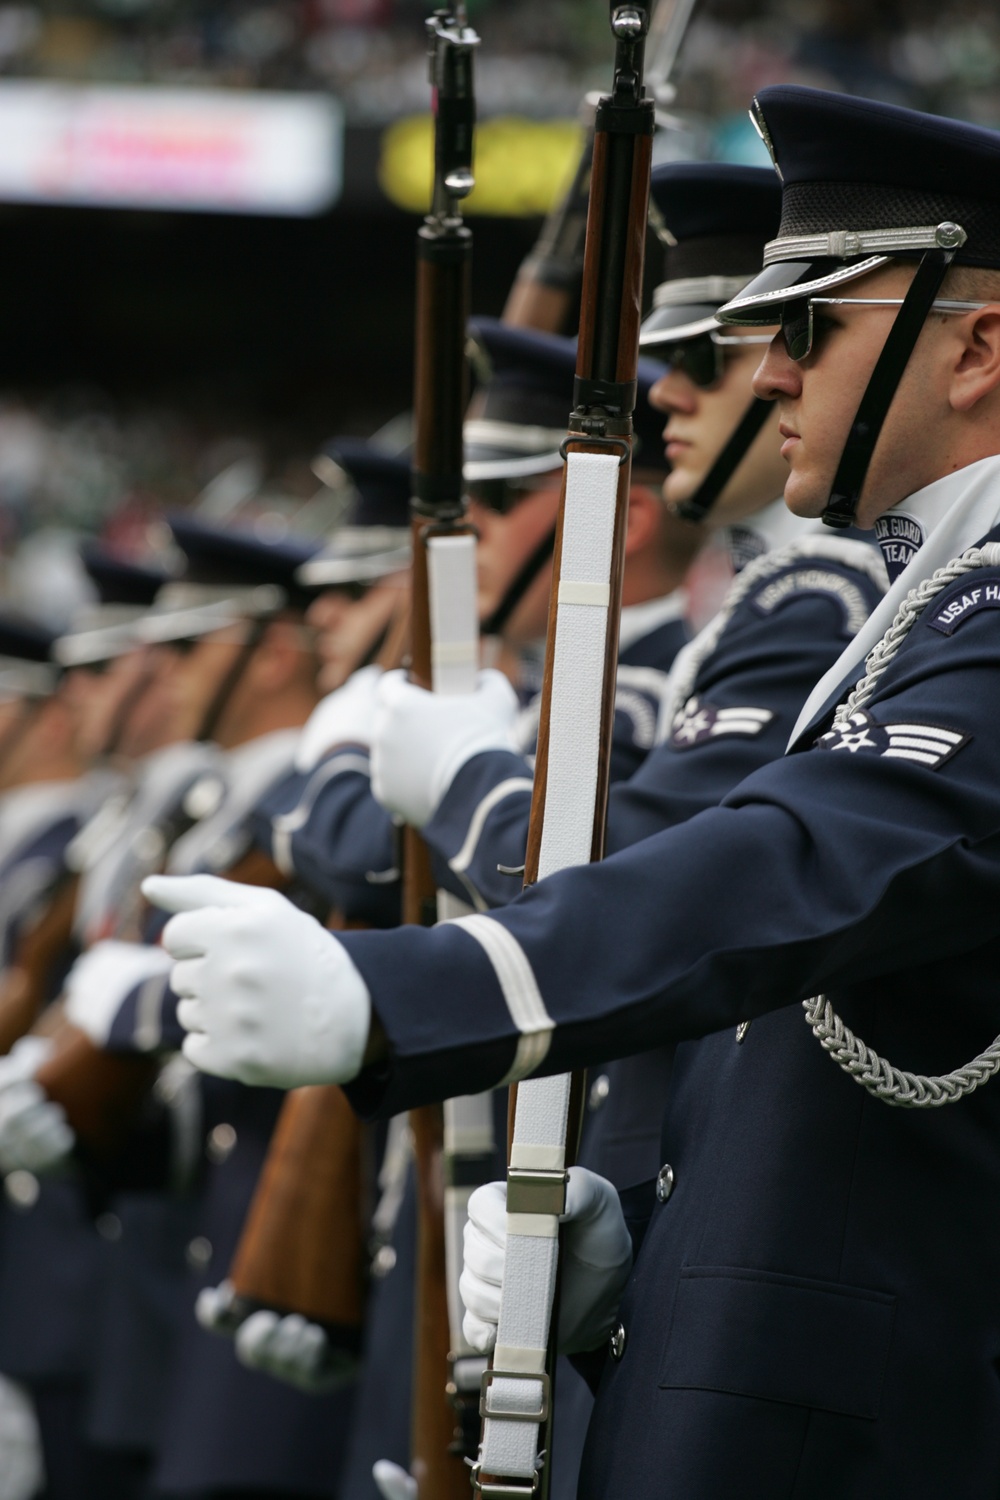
(177, 893)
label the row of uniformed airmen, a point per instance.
(787, 1281)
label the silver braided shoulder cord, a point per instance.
(875, 1074)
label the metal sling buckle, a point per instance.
(536, 1190)
(542, 1415)
(504, 1489)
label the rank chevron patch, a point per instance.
(925, 744)
(699, 721)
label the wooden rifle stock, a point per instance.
(302, 1248)
(26, 986)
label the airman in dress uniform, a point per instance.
(810, 1309)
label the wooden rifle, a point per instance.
(569, 802)
(546, 291)
(27, 983)
(442, 541)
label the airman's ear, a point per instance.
(976, 370)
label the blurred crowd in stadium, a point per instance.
(81, 460)
(538, 55)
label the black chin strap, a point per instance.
(227, 687)
(719, 475)
(842, 505)
(519, 586)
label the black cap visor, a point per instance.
(358, 555)
(669, 325)
(758, 304)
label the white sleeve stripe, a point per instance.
(517, 984)
(531, 1053)
(463, 859)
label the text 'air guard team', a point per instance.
(779, 1244)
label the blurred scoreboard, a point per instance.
(201, 150)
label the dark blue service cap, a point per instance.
(106, 629)
(520, 414)
(119, 580)
(864, 183)
(373, 539)
(228, 575)
(26, 665)
(522, 420)
(381, 481)
(714, 219)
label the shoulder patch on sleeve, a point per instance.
(961, 603)
(924, 744)
(815, 579)
(699, 721)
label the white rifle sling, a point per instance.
(451, 581)
(516, 1391)
(468, 1122)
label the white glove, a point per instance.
(24, 1059)
(293, 1350)
(22, 1472)
(392, 1482)
(596, 1261)
(34, 1135)
(343, 717)
(213, 1308)
(101, 978)
(268, 995)
(421, 740)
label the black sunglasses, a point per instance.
(501, 495)
(703, 358)
(799, 324)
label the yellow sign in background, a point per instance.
(522, 166)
